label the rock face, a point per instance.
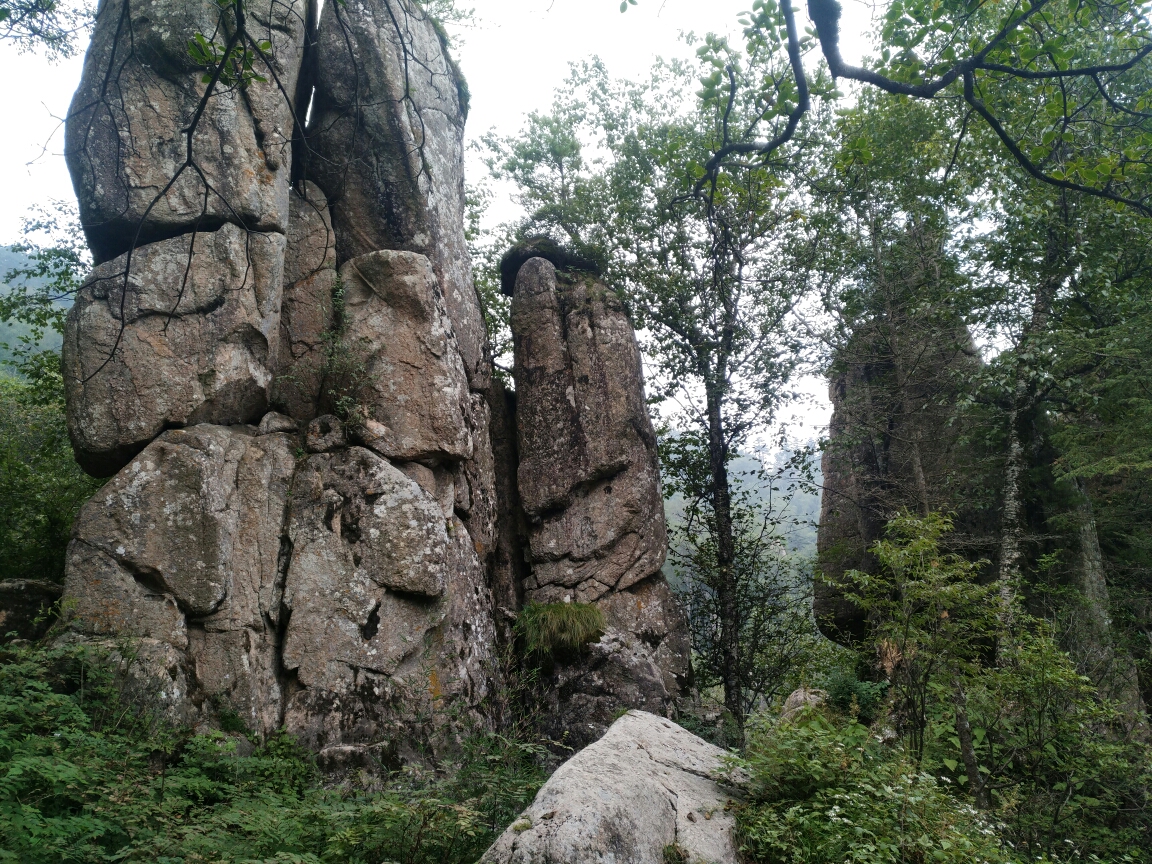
(125, 140)
(389, 143)
(324, 513)
(589, 485)
(178, 332)
(588, 475)
(183, 547)
(308, 305)
(644, 787)
(893, 444)
(414, 386)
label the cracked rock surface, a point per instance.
(182, 547)
(324, 512)
(589, 484)
(124, 137)
(188, 338)
(646, 785)
(588, 475)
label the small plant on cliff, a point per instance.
(344, 372)
(559, 628)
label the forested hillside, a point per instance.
(925, 636)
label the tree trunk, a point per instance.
(725, 559)
(1093, 650)
(1010, 514)
(976, 784)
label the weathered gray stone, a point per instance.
(325, 433)
(26, 607)
(185, 338)
(799, 700)
(183, 547)
(643, 660)
(387, 600)
(125, 140)
(306, 313)
(645, 786)
(415, 393)
(388, 150)
(273, 422)
(588, 475)
(651, 612)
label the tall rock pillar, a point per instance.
(589, 485)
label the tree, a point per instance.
(711, 276)
(41, 487)
(1027, 736)
(1063, 86)
(47, 25)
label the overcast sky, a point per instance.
(513, 61)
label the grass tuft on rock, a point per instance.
(559, 628)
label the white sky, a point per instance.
(513, 62)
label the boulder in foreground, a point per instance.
(646, 786)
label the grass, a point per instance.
(559, 628)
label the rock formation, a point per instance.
(895, 442)
(589, 487)
(645, 788)
(323, 507)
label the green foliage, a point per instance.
(50, 264)
(51, 26)
(824, 789)
(558, 628)
(851, 696)
(88, 774)
(344, 370)
(41, 487)
(773, 589)
(984, 697)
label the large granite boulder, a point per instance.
(175, 333)
(387, 147)
(414, 390)
(588, 476)
(307, 307)
(646, 793)
(126, 141)
(183, 547)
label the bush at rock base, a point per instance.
(88, 775)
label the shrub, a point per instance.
(41, 487)
(849, 694)
(86, 776)
(559, 628)
(824, 789)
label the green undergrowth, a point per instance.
(87, 774)
(824, 788)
